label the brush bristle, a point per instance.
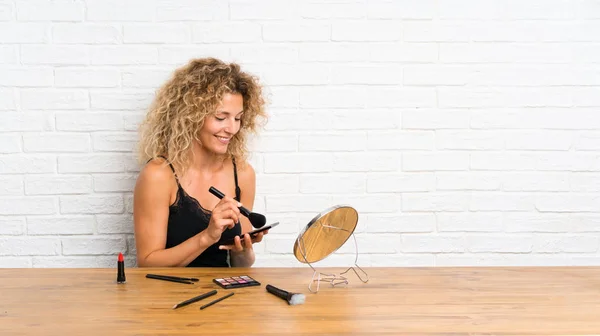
(257, 220)
(297, 299)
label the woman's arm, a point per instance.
(247, 182)
(151, 200)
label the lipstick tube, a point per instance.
(121, 269)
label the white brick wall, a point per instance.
(464, 132)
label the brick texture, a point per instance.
(464, 132)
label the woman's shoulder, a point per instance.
(156, 171)
(245, 169)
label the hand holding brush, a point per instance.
(257, 220)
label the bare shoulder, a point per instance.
(247, 183)
(246, 172)
(156, 174)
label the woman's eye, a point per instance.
(220, 119)
(238, 119)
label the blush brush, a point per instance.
(257, 220)
(291, 298)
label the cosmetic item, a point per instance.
(236, 282)
(291, 298)
(195, 299)
(217, 300)
(253, 233)
(121, 269)
(257, 220)
(151, 276)
(159, 276)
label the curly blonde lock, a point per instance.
(181, 105)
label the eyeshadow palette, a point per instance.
(236, 282)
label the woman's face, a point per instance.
(220, 127)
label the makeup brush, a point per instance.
(257, 220)
(291, 298)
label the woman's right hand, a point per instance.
(224, 216)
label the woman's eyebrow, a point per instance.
(228, 113)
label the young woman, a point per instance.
(194, 137)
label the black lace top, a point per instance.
(187, 218)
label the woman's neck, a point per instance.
(206, 161)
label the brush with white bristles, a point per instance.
(291, 298)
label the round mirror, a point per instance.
(325, 233)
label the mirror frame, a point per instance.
(297, 251)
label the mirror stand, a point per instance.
(332, 278)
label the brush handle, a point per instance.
(216, 192)
(150, 276)
(279, 292)
(217, 300)
(195, 299)
(220, 195)
(155, 276)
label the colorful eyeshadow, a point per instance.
(236, 282)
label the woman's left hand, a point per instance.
(241, 245)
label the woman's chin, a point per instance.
(220, 150)
(216, 148)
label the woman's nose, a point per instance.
(231, 126)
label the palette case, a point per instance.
(236, 282)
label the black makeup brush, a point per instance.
(257, 220)
(291, 298)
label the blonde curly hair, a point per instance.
(186, 99)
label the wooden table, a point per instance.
(395, 301)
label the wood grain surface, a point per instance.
(326, 235)
(395, 301)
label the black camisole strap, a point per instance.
(237, 187)
(170, 165)
(235, 177)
